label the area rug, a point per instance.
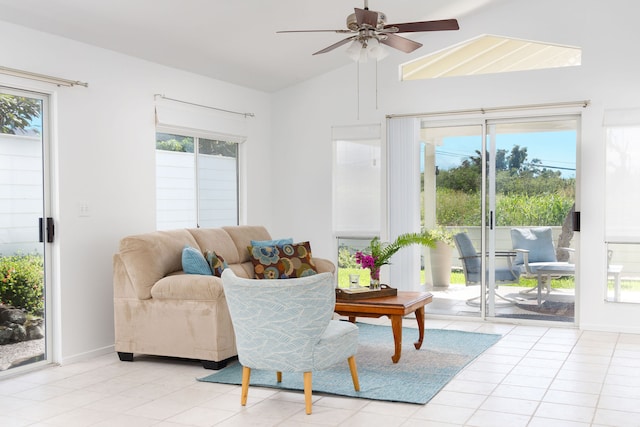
(416, 378)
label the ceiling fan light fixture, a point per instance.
(363, 50)
(355, 50)
(376, 50)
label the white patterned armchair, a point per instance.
(286, 326)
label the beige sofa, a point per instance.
(160, 310)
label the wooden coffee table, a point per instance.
(395, 308)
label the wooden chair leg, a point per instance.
(279, 376)
(307, 392)
(354, 373)
(246, 376)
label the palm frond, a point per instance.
(384, 251)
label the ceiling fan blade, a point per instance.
(414, 27)
(366, 16)
(400, 43)
(335, 45)
(316, 31)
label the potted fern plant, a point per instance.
(381, 252)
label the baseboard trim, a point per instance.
(596, 327)
(65, 360)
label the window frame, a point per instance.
(197, 136)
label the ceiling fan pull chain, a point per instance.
(358, 89)
(377, 85)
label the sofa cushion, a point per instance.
(282, 262)
(193, 262)
(219, 241)
(188, 287)
(242, 236)
(216, 263)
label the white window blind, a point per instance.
(357, 180)
(622, 199)
(404, 198)
(197, 166)
(204, 122)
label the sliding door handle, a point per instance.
(50, 230)
(47, 228)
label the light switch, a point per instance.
(83, 209)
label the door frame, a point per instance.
(50, 291)
(487, 230)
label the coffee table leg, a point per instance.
(420, 319)
(396, 327)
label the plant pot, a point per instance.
(440, 258)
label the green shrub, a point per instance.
(22, 282)
(346, 259)
(456, 208)
(542, 209)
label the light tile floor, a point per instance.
(534, 376)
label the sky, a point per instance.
(555, 150)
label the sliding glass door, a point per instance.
(488, 181)
(26, 228)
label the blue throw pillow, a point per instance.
(193, 262)
(275, 242)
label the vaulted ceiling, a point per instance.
(230, 40)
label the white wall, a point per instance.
(606, 31)
(103, 152)
(104, 155)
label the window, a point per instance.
(622, 201)
(197, 164)
(357, 183)
(489, 54)
(196, 182)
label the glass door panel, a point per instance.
(23, 230)
(451, 192)
(531, 202)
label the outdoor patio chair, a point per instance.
(535, 250)
(471, 266)
(285, 325)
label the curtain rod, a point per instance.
(41, 77)
(159, 95)
(583, 104)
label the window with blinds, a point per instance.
(622, 203)
(197, 165)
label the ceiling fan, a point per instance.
(370, 27)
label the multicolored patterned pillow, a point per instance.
(216, 262)
(282, 262)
